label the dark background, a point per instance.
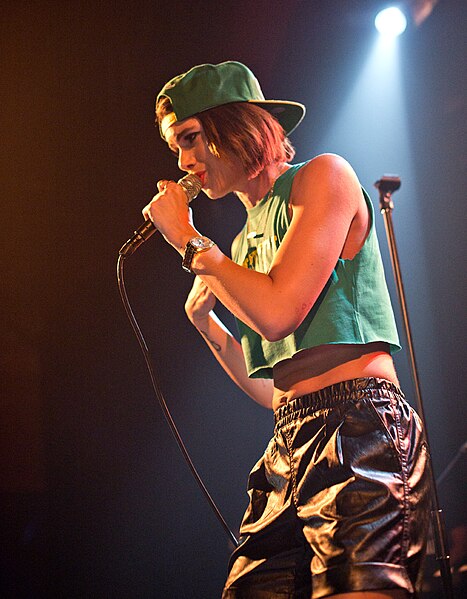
(96, 499)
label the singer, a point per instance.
(339, 500)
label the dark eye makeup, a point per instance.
(186, 140)
(190, 137)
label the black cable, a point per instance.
(160, 397)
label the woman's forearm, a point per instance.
(228, 352)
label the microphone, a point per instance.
(192, 186)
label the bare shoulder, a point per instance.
(326, 162)
(328, 169)
(327, 178)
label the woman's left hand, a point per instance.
(171, 215)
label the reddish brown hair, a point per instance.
(243, 130)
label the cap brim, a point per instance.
(289, 114)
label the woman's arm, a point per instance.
(326, 196)
(226, 349)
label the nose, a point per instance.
(186, 159)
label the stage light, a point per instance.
(391, 22)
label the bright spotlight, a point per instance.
(391, 22)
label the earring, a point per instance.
(212, 148)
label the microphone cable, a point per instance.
(162, 402)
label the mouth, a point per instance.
(202, 176)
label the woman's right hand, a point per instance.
(200, 302)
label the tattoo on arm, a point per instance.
(215, 345)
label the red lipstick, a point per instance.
(202, 176)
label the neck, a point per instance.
(255, 189)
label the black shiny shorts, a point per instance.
(339, 502)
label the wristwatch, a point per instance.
(195, 245)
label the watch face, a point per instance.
(200, 242)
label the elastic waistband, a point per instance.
(337, 394)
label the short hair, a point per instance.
(243, 130)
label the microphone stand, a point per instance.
(386, 186)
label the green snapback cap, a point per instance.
(209, 85)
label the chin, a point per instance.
(213, 194)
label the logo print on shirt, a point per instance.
(260, 257)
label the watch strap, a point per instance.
(188, 257)
(191, 250)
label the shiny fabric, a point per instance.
(339, 502)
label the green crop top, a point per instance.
(354, 307)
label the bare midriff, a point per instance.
(318, 367)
